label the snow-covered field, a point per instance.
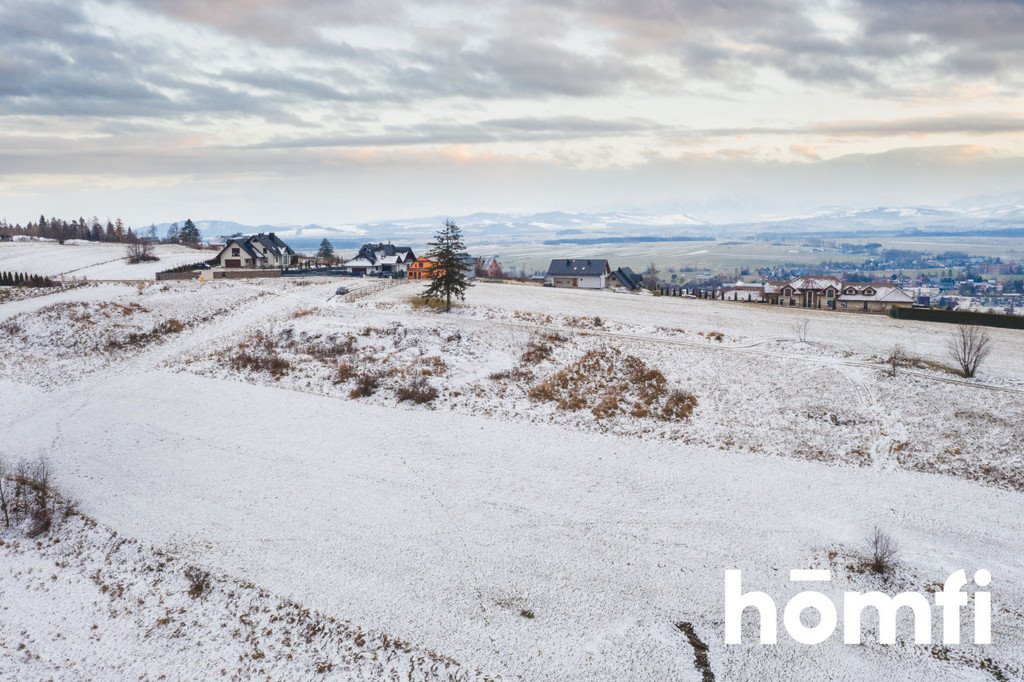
(91, 260)
(509, 529)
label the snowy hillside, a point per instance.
(93, 260)
(543, 484)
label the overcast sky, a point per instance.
(334, 112)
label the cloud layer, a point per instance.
(102, 94)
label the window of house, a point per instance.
(787, 292)
(830, 293)
(236, 252)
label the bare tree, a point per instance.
(140, 251)
(897, 358)
(884, 552)
(801, 330)
(968, 346)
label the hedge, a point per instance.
(959, 317)
(205, 265)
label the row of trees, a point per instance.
(93, 230)
(23, 279)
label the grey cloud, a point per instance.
(978, 124)
(493, 130)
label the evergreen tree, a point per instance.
(173, 233)
(448, 276)
(326, 250)
(190, 233)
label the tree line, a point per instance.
(24, 279)
(94, 230)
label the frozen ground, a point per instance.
(443, 524)
(92, 260)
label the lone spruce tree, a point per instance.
(448, 275)
(190, 233)
(326, 251)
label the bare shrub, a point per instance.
(26, 493)
(897, 358)
(140, 252)
(800, 329)
(968, 347)
(366, 385)
(345, 371)
(418, 391)
(884, 552)
(198, 582)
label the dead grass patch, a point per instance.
(418, 391)
(608, 383)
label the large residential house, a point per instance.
(257, 251)
(578, 273)
(381, 259)
(873, 297)
(805, 292)
(823, 292)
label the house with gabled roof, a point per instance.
(380, 259)
(625, 278)
(873, 297)
(578, 273)
(256, 251)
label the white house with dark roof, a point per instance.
(256, 251)
(578, 273)
(380, 259)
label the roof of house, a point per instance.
(243, 244)
(884, 293)
(628, 278)
(270, 242)
(381, 254)
(578, 267)
(805, 282)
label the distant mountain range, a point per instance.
(990, 214)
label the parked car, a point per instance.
(341, 291)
